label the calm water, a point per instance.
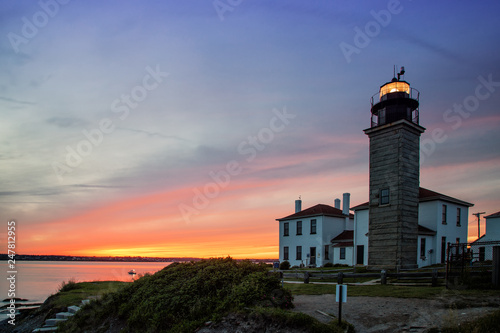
(37, 280)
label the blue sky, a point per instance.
(201, 79)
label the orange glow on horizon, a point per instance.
(181, 251)
(133, 229)
(240, 222)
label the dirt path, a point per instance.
(387, 314)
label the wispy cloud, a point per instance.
(437, 48)
(66, 122)
(96, 186)
(154, 134)
(16, 101)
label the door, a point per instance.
(360, 254)
(313, 256)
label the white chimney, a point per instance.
(298, 205)
(346, 199)
(337, 203)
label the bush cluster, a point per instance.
(285, 265)
(183, 296)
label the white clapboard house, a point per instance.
(322, 233)
(306, 236)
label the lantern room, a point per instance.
(395, 100)
(394, 86)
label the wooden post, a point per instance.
(383, 277)
(495, 276)
(448, 266)
(340, 278)
(306, 277)
(434, 277)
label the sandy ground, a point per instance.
(387, 314)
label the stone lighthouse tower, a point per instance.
(394, 176)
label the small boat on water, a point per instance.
(132, 272)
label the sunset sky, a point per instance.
(169, 128)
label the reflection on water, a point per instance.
(37, 280)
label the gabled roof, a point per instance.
(346, 235)
(425, 231)
(362, 206)
(318, 210)
(426, 195)
(497, 214)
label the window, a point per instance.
(443, 218)
(327, 252)
(384, 196)
(299, 253)
(313, 226)
(422, 247)
(482, 253)
(342, 253)
(285, 253)
(459, 216)
(286, 229)
(443, 250)
(299, 227)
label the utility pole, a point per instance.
(478, 215)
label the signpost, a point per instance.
(341, 297)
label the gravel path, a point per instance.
(388, 314)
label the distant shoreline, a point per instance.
(33, 257)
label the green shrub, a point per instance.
(340, 265)
(263, 289)
(69, 285)
(327, 265)
(181, 297)
(284, 265)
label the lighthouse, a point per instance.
(394, 137)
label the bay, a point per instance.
(37, 280)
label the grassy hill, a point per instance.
(185, 296)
